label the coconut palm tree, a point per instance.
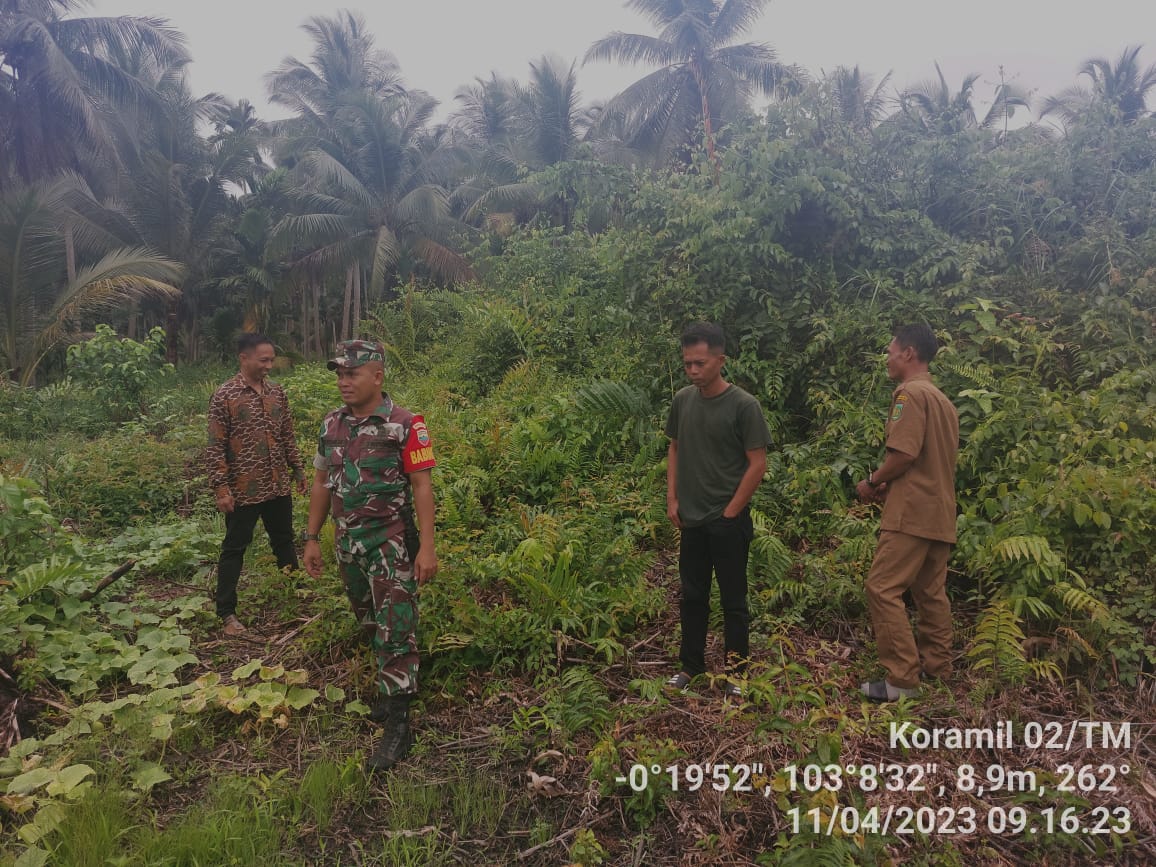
(548, 113)
(702, 80)
(61, 84)
(933, 107)
(344, 63)
(179, 193)
(861, 102)
(366, 174)
(486, 112)
(40, 304)
(486, 127)
(1121, 88)
(370, 198)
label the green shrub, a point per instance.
(312, 392)
(117, 371)
(107, 483)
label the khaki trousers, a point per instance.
(903, 563)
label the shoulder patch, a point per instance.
(897, 410)
(418, 451)
(421, 432)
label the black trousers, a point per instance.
(721, 547)
(277, 516)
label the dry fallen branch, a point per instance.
(113, 576)
(563, 836)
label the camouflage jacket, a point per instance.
(367, 462)
(252, 451)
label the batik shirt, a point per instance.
(367, 462)
(252, 450)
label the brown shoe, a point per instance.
(234, 627)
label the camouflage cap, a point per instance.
(354, 353)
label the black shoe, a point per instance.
(882, 691)
(379, 712)
(394, 745)
(387, 706)
(679, 682)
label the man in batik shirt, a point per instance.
(251, 459)
(373, 471)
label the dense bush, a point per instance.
(109, 482)
(118, 371)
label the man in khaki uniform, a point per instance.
(916, 484)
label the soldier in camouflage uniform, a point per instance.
(373, 466)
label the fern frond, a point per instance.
(786, 591)
(607, 397)
(999, 642)
(1079, 599)
(1045, 669)
(981, 376)
(1033, 548)
(32, 579)
(773, 559)
(1073, 637)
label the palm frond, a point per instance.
(631, 48)
(443, 261)
(736, 17)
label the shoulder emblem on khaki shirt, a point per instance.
(897, 410)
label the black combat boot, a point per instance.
(396, 737)
(379, 712)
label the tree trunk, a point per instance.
(305, 349)
(318, 336)
(346, 308)
(708, 132)
(172, 330)
(70, 253)
(355, 325)
(193, 350)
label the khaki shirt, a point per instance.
(922, 423)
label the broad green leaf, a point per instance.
(70, 607)
(299, 697)
(357, 707)
(69, 778)
(247, 669)
(334, 693)
(48, 818)
(268, 696)
(239, 704)
(149, 774)
(33, 856)
(31, 781)
(224, 694)
(162, 726)
(1081, 513)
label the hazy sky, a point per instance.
(443, 44)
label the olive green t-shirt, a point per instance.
(714, 435)
(923, 424)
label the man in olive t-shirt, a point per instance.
(916, 484)
(716, 459)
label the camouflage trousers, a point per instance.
(381, 585)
